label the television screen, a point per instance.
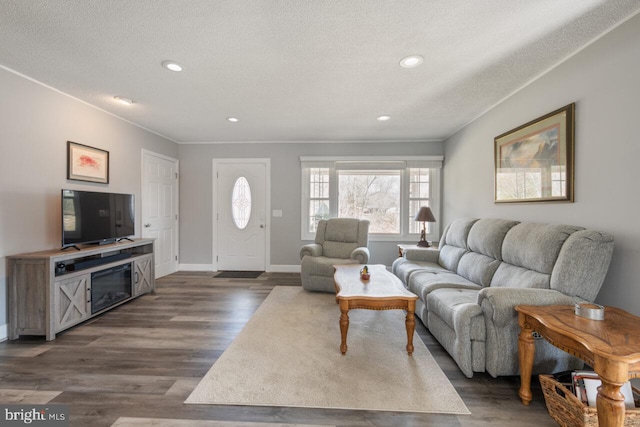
(93, 217)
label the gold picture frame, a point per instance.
(86, 163)
(535, 162)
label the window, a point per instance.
(372, 195)
(241, 203)
(388, 192)
(318, 197)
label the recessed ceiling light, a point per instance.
(383, 118)
(122, 100)
(172, 66)
(232, 119)
(411, 61)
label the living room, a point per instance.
(599, 76)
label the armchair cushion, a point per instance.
(312, 249)
(323, 266)
(361, 255)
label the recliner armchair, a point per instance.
(338, 241)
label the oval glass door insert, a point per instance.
(241, 203)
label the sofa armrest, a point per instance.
(361, 254)
(498, 304)
(502, 330)
(430, 255)
(312, 249)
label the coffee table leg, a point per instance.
(526, 351)
(344, 325)
(411, 325)
(610, 404)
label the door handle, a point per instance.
(147, 225)
(261, 225)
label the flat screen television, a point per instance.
(90, 217)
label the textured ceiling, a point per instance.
(297, 70)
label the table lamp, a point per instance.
(424, 215)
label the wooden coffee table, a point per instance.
(383, 291)
(611, 346)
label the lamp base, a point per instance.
(423, 239)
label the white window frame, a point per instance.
(334, 164)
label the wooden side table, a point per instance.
(611, 346)
(404, 246)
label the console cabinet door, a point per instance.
(143, 280)
(72, 301)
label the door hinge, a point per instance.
(176, 175)
(176, 257)
(216, 258)
(176, 216)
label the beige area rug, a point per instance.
(288, 354)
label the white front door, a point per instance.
(241, 214)
(160, 209)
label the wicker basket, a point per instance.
(568, 411)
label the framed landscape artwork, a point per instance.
(86, 163)
(534, 162)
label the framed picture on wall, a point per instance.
(86, 163)
(534, 162)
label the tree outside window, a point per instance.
(371, 195)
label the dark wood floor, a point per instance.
(144, 358)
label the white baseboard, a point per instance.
(4, 332)
(196, 267)
(209, 267)
(284, 268)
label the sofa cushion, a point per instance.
(403, 268)
(570, 275)
(477, 268)
(454, 243)
(458, 231)
(459, 309)
(486, 236)
(424, 282)
(511, 276)
(535, 246)
(449, 257)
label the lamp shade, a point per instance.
(425, 215)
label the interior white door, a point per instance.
(160, 210)
(241, 216)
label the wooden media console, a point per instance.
(51, 291)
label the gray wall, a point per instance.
(603, 82)
(36, 124)
(196, 225)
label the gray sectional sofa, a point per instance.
(468, 288)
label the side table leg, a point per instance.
(610, 404)
(411, 325)
(526, 352)
(344, 325)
